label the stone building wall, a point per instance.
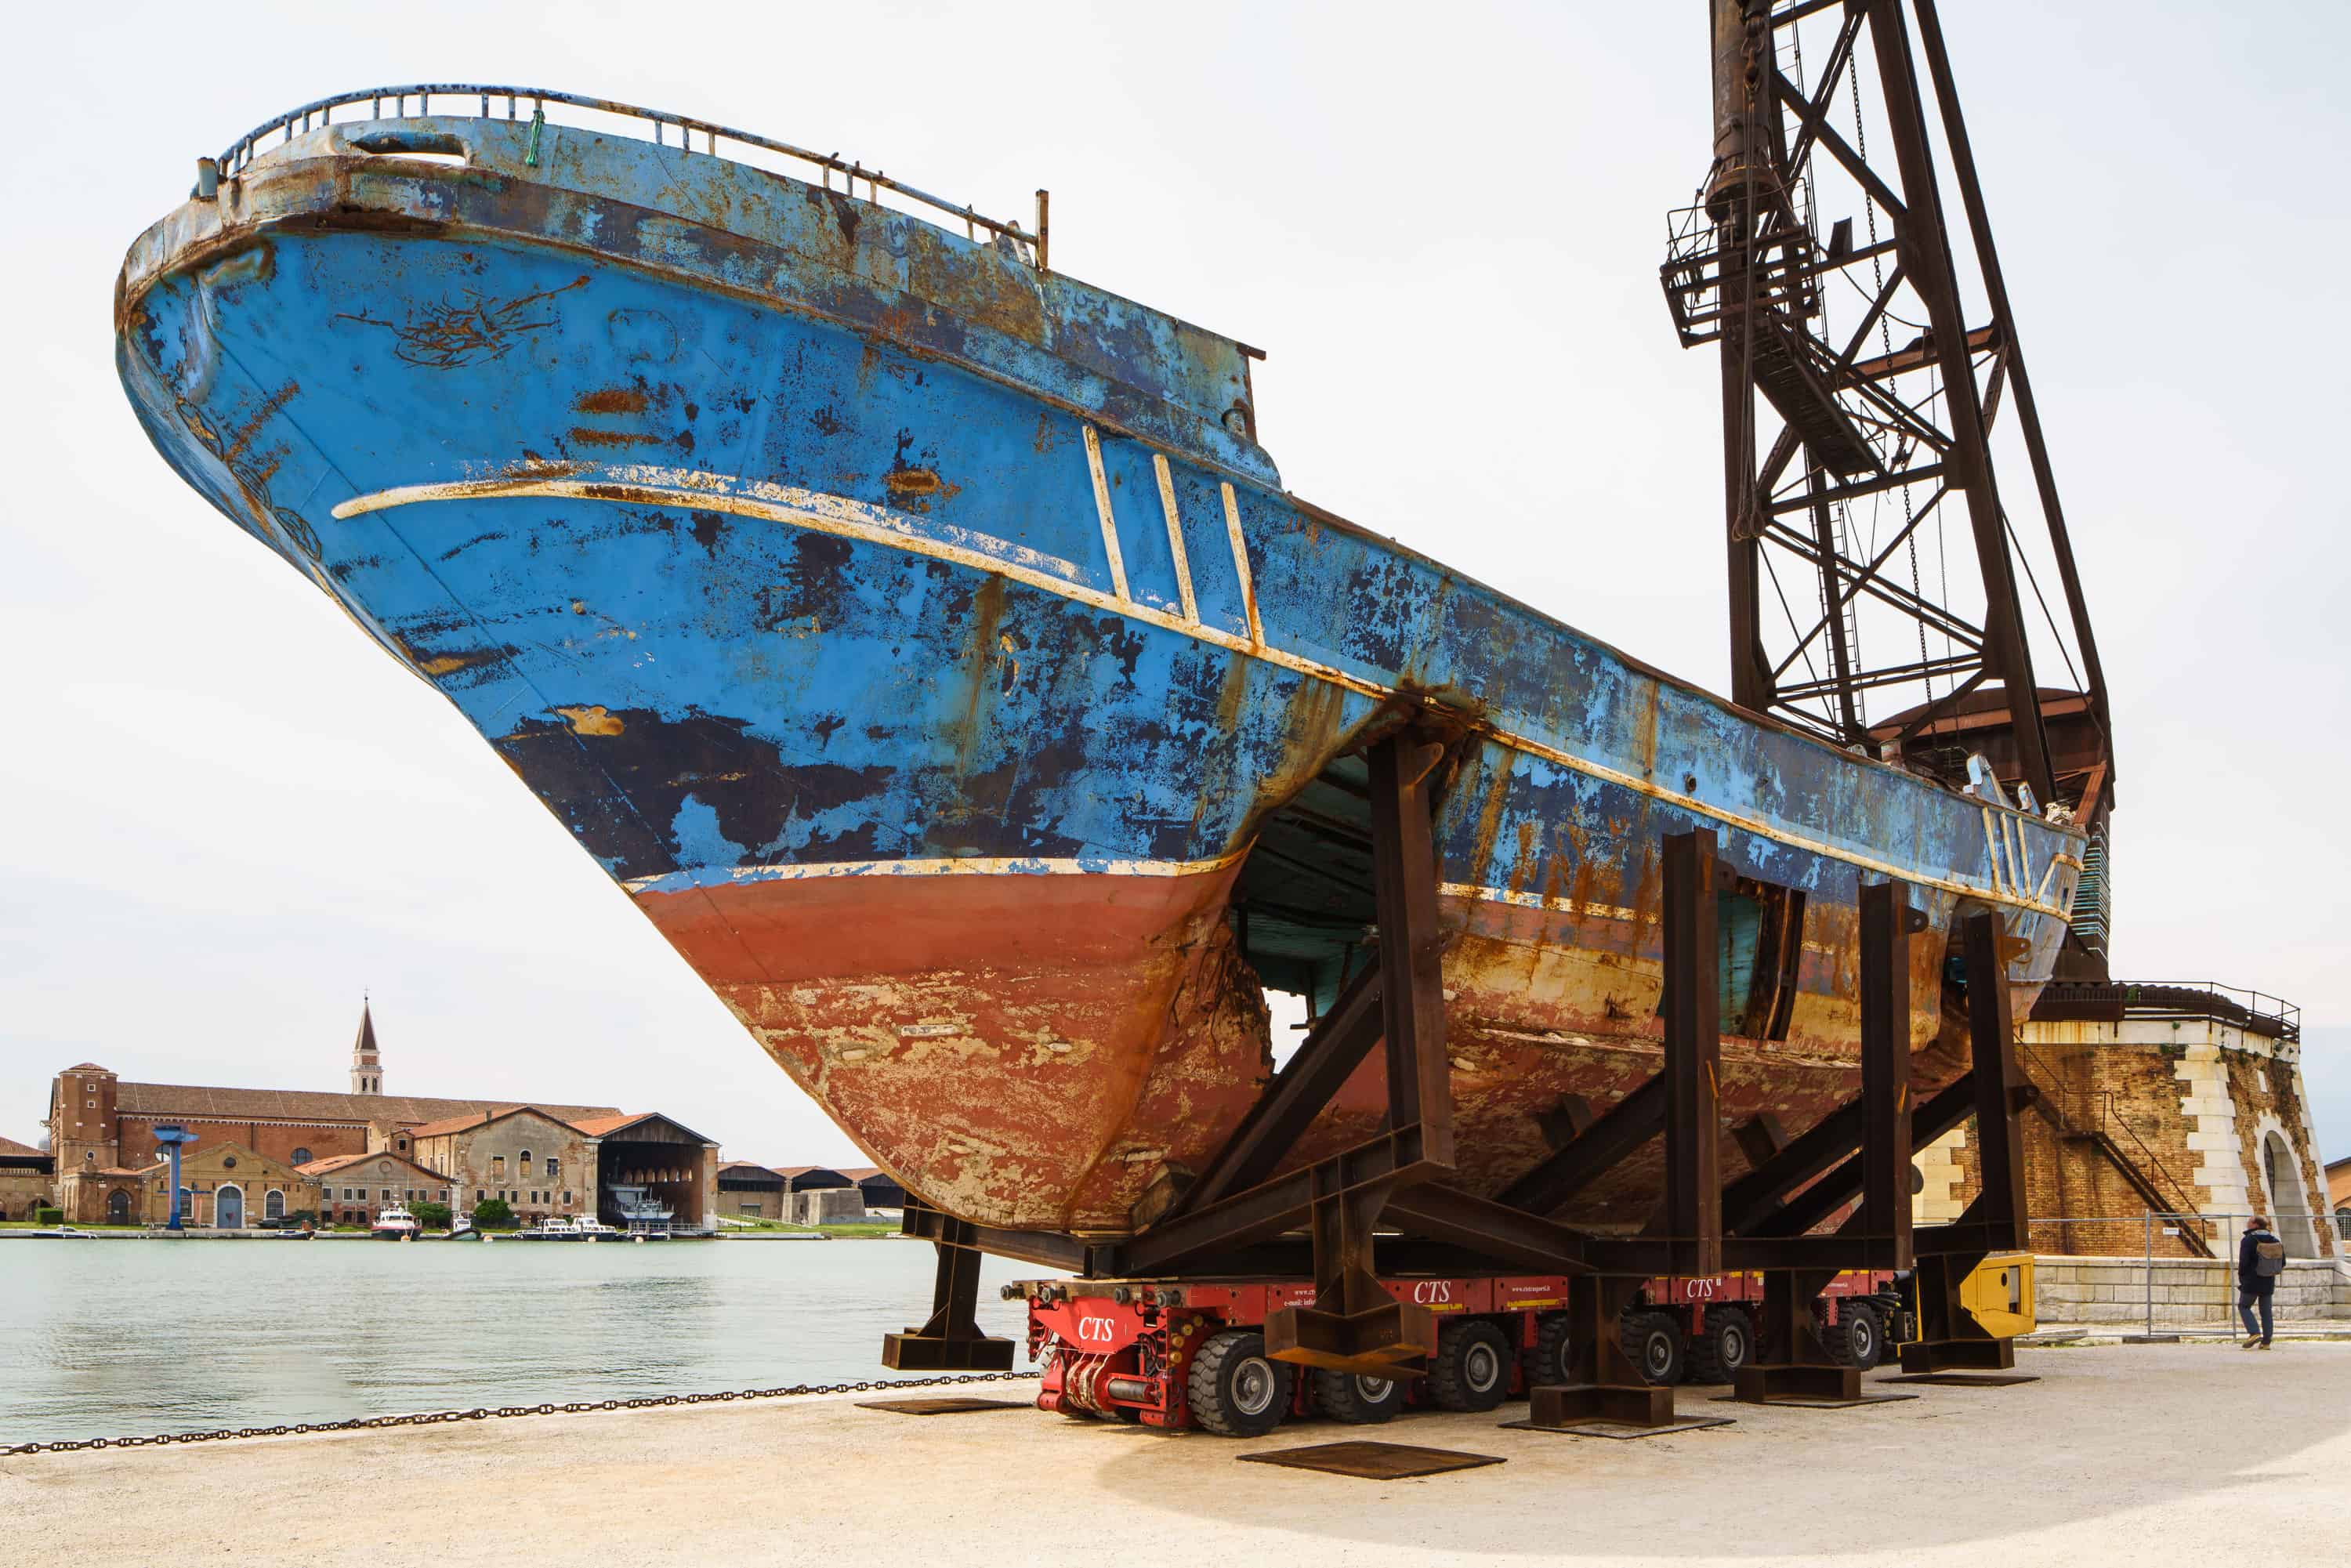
(486, 1160)
(23, 1191)
(2193, 1102)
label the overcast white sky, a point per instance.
(226, 813)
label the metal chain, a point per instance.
(575, 1407)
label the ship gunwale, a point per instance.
(155, 255)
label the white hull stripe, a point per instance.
(643, 484)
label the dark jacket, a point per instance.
(2250, 1282)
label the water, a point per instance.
(107, 1339)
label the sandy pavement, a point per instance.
(2120, 1455)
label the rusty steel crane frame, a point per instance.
(1746, 269)
(1384, 1207)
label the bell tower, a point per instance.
(366, 1067)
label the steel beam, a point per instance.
(1331, 1053)
(1620, 1129)
(1887, 924)
(1693, 1065)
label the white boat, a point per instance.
(641, 1213)
(393, 1223)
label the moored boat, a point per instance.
(395, 1223)
(926, 643)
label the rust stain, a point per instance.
(452, 333)
(252, 427)
(586, 436)
(591, 720)
(611, 400)
(917, 482)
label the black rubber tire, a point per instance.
(1548, 1362)
(1357, 1400)
(1858, 1337)
(1235, 1390)
(1723, 1345)
(1654, 1342)
(1472, 1367)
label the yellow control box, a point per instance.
(1998, 1293)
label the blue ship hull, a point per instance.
(924, 645)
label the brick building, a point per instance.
(354, 1188)
(101, 1130)
(2162, 1100)
(528, 1156)
(753, 1192)
(28, 1180)
(223, 1186)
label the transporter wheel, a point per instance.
(1357, 1400)
(1547, 1363)
(1236, 1389)
(1858, 1337)
(1654, 1341)
(1472, 1369)
(1725, 1344)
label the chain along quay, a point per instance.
(269, 1335)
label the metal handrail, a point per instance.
(240, 153)
(2153, 1169)
(2190, 999)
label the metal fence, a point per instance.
(2158, 1284)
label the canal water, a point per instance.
(104, 1339)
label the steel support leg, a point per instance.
(951, 1340)
(1354, 1326)
(1606, 1386)
(1791, 1362)
(1949, 1338)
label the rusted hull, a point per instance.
(910, 637)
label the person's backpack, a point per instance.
(2269, 1258)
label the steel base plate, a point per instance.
(951, 1406)
(1626, 1430)
(1374, 1462)
(1965, 1379)
(1796, 1402)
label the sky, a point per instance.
(229, 815)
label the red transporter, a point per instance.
(1193, 1354)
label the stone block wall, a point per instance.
(2187, 1290)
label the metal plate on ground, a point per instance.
(953, 1405)
(1622, 1430)
(1966, 1379)
(1806, 1401)
(1374, 1462)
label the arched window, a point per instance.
(299, 1157)
(273, 1207)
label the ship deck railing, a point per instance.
(584, 112)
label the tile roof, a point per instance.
(198, 1104)
(11, 1146)
(88, 1067)
(858, 1173)
(334, 1163)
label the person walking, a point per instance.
(2260, 1258)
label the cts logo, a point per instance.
(1431, 1293)
(1099, 1329)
